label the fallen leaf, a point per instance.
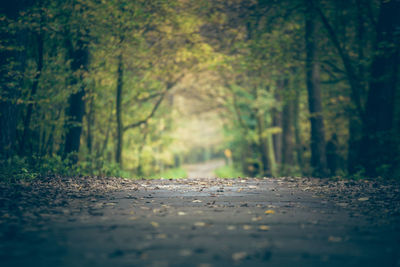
(246, 227)
(185, 252)
(269, 212)
(155, 224)
(335, 239)
(161, 236)
(133, 218)
(363, 199)
(256, 219)
(200, 224)
(231, 227)
(263, 227)
(238, 256)
(181, 213)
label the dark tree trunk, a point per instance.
(318, 155)
(79, 57)
(89, 126)
(27, 120)
(355, 125)
(12, 65)
(378, 147)
(120, 74)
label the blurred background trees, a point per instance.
(135, 87)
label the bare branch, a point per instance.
(156, 106)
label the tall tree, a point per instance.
(120, 129)
(318, 155)
(379, 148)
(12, 64)
(79, 58)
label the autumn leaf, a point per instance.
(269, 212)
(238, 256)
(263, 227)
(246, 227)
(200, 224)
(335, 239)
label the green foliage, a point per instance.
(231, 64)
(17, 168)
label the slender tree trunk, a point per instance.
(89, 125)
(139, 168)
(318, 155)
(120, 74)
(76, 108)
(299, 145)
(271, 156)
(287, 136)
(107, 134)
(262, 146)
(378, 148)
(277, 122)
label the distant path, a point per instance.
(91, 221)
(204, 169)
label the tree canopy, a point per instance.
(137, 87)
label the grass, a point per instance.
(171, 174)
(228, 172)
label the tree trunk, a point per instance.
(287, 136)
(318, 155)
(89, 125)
(262, 146)
(355, 125)
(299, 145)
(79, 57)
(27, 120)
(120, 73)
(277, 122)
(378, 147)
(12, 65)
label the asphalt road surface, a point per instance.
(91, 221)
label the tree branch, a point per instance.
(137, 124)
(350, 73)
(145, 120)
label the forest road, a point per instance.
(204, 169)
(89, 221)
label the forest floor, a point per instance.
(93, 221)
